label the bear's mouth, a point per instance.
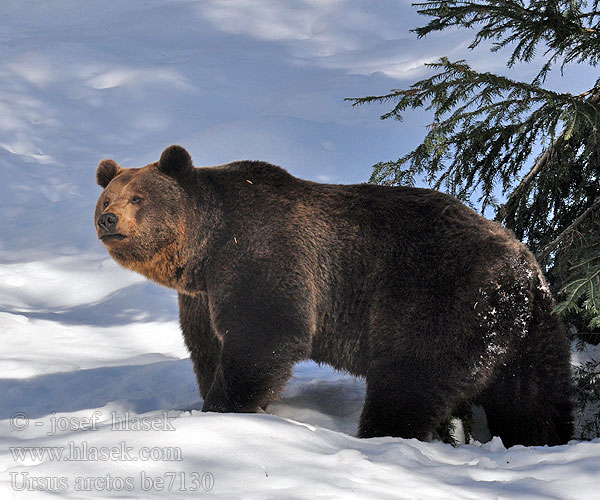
(112, 237)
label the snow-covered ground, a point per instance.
(85, 343)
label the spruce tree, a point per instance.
(536, 147)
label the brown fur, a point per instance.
(434, 305)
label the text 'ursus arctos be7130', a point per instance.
(434, 305)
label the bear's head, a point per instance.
(140, 215)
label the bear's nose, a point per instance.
(107, 222)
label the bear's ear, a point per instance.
(174, 161)
(106, 171)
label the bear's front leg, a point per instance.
(252, 373)
(200, 339)
(265, 318)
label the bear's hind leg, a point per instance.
(404, 400)
(529, 398)
(529, 402)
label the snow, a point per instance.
(85, 342)
(264, 456)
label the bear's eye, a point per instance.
(105, 203)
(135, 199)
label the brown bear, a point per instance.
(432, 304)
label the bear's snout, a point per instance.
(107, 222)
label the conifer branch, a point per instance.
(522, 189)
(545, 252)
(558, 25)
(487, 129)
